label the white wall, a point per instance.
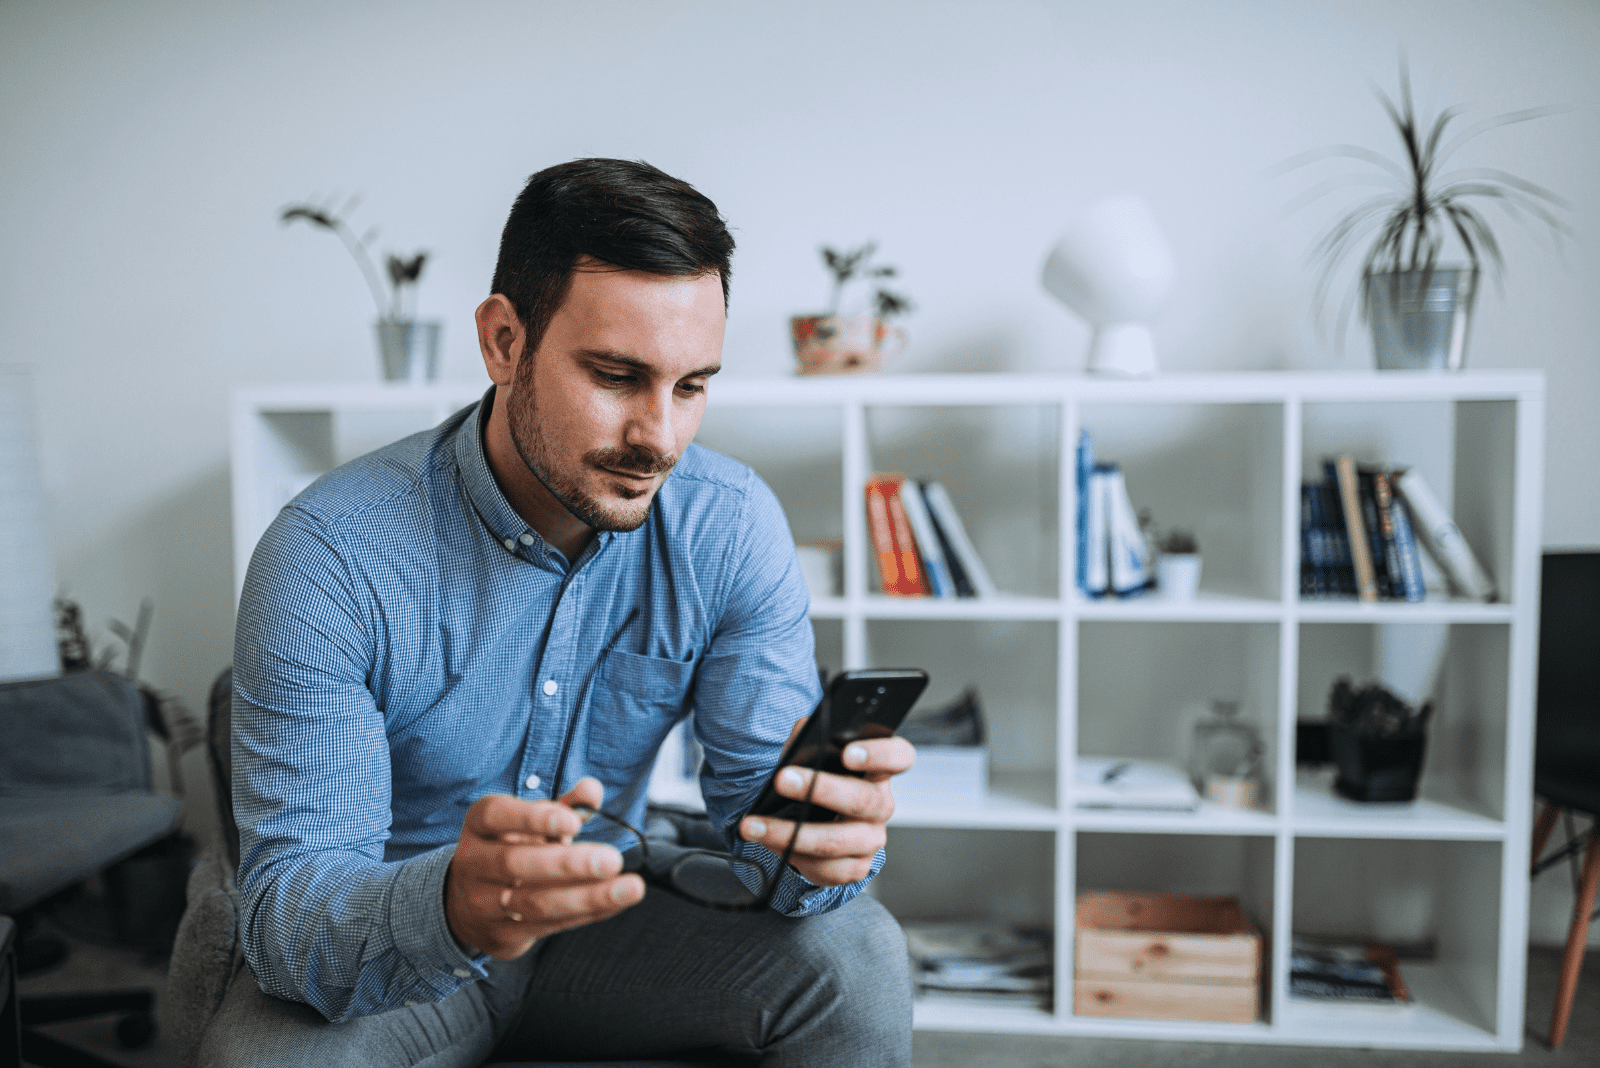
(146, 149)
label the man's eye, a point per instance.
(614, 380)
(691, 387)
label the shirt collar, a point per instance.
(501, 520)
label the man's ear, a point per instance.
(501, 338)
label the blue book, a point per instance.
(1085, 470)
(1410, 560)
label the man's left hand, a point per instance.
(833, 854)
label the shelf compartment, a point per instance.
(1239, 866)
(1464, 449)
(999, 465)
(1466, 668)
(1439, 894)
(1215, 470)
(1148, 711)
(1012, 665)
(1319, 812)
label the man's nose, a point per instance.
(650, 424)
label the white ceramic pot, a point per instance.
(1178, 575)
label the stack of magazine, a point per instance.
(919, 541)
(982, 959)
(1347, 974)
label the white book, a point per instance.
(944, 512)
(1144, 785)
(928, 547)
(1443, 539)
(1097, 534)
(1130, 553)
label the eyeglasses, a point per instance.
(710, 878)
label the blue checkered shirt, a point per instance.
(406, 644)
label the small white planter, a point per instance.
(1178, 575)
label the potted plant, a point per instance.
(408, 348)
(1177, 560)
(837, 342)
(1377, 742)
(1419, 307)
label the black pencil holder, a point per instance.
(1376, 769)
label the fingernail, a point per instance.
(855, 755)
(605, 862)
(793, 779)
(755, 828)
(622, 891)
(552, 823)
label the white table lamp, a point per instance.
(1114, 268)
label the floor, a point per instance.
(98, 967)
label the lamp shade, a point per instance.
(27, 580)
(1114, 268)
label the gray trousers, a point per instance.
(663, 978)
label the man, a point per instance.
(446, 646)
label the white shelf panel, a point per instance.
(360, 396)
(1204, 606)
(1015, 801)
(1207, 819)
(1320, 813)
(1171, 1030)
(1004, 606)
(948, 1013)
(1432, 1024)
(1440, 611)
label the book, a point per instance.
(1349, 485)
(1137, 785)
(1356, 974)
(892, 542)
(1085, 473)
(1309, 551)
(1373, 522)
(1443, 539)
(1097, 533)
(1342, 573)
(1416, 588)
(929, 549)
(949, 521)
(952, 559)
(1129, 552)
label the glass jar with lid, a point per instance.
(1225, 757)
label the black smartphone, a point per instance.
(869, 703)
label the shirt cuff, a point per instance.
(420, 931)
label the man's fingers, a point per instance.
(586, 791)
(853, 798)
(879, 756)
(821, 840)
(582, 862)
(546, 906)
(498, 815)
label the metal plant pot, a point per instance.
(409, 349)
(1420, 318)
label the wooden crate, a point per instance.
(1166, 957)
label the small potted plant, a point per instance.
(1177, 563)
(837, 342)
(1376, 741)
(1418, 306)
(408, 347)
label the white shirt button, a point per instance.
(511, 544)
(531, 782)
(526, 539)
(462, 973)
(550, 687)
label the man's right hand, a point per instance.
(517, 875)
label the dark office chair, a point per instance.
(1566, 767)
(74, 798)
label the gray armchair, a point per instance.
(75, 797)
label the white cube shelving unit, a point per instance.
(1059, 675)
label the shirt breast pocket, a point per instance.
(636, 701)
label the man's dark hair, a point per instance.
(626, 214)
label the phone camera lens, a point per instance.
(883, 689)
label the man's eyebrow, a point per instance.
(629, 360)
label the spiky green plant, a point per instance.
(857, 263)
(404, 274)
(1422, 205)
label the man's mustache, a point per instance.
(632, 461)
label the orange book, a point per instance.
(892, 539)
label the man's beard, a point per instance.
(522, 418)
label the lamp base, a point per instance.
(1127, 350)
